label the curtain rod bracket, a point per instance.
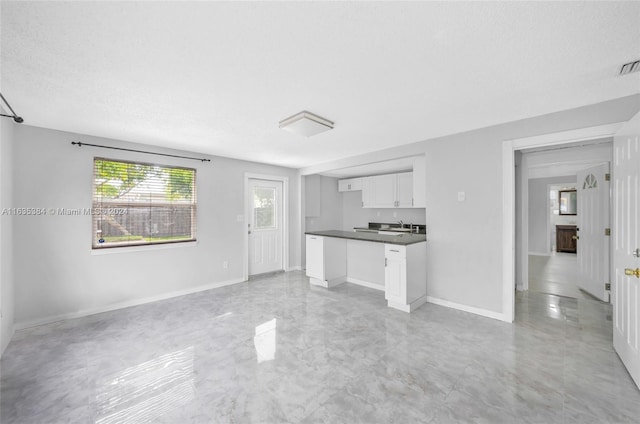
(15, 117)
(79, 144)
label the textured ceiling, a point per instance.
(217, 77)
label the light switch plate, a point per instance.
(461, 196)
(240, 218)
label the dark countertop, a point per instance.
(402, 239)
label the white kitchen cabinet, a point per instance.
(420, 182)
(405, 276)
(326, 260)
(404, 190)
(388, 191)
(351, 184)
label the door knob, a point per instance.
(636, 253)
(631, 271)
(575, 237)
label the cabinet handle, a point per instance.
(312, 238)
(349, 186)
(385, 262)
(392, 250)
(412, 201)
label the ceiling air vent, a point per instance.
(630, 67)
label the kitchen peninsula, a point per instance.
(395, 264)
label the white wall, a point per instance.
(330, 206)
(6, 234)
(464, 245)
(539, 211)
(6, 226)
(354, 215)
(56, 273)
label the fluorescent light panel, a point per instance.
(306, 124)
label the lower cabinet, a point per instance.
(405, 272)
(566, 237)
(326, 260)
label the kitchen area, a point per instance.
(365, 225)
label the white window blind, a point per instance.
(140, 204)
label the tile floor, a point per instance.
(277, 350)
(556, 274)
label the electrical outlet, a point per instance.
(461, 196)
(225, 264)
(378, 213)
(395, 214)
(240, 218)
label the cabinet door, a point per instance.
(315, 257)
(395, 279)
(382, 191)
(343, 185)
(404, 192)
(419, 183)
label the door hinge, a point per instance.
(607, 177)
(607, 231)
(607, 286)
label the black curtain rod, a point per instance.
(79, 144)
(15, 117)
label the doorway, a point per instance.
(267, 224)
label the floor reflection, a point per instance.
(265, 341)
(145, 392)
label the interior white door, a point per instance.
(593, 218)
(265, 226)
(626, 245)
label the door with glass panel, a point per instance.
(265, 226)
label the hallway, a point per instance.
(556, 274)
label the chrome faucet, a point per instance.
(401, 224)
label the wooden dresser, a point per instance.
(566, 238)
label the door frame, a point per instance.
(285, 218)
(509, 148)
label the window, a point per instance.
(140, 204)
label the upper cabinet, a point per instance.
(420, 182)
(401, 190)
(388, 191)
(351, 184)
(379, 191)
(404, 190)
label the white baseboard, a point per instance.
(121, 305)
(295, 268)
(471, 309)
(364, 283)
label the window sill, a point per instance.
(145, 248)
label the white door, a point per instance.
(265, 226)
(593, 220)
(626, 244)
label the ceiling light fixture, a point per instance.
(15, 117)
(306, 124)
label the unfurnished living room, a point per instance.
(319, 212)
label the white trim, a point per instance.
(364, 283)
(294, 268)
(410, 307)
(508, 197)
(327, 284)
(127, 304)
(285, 217)
(478, 311)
